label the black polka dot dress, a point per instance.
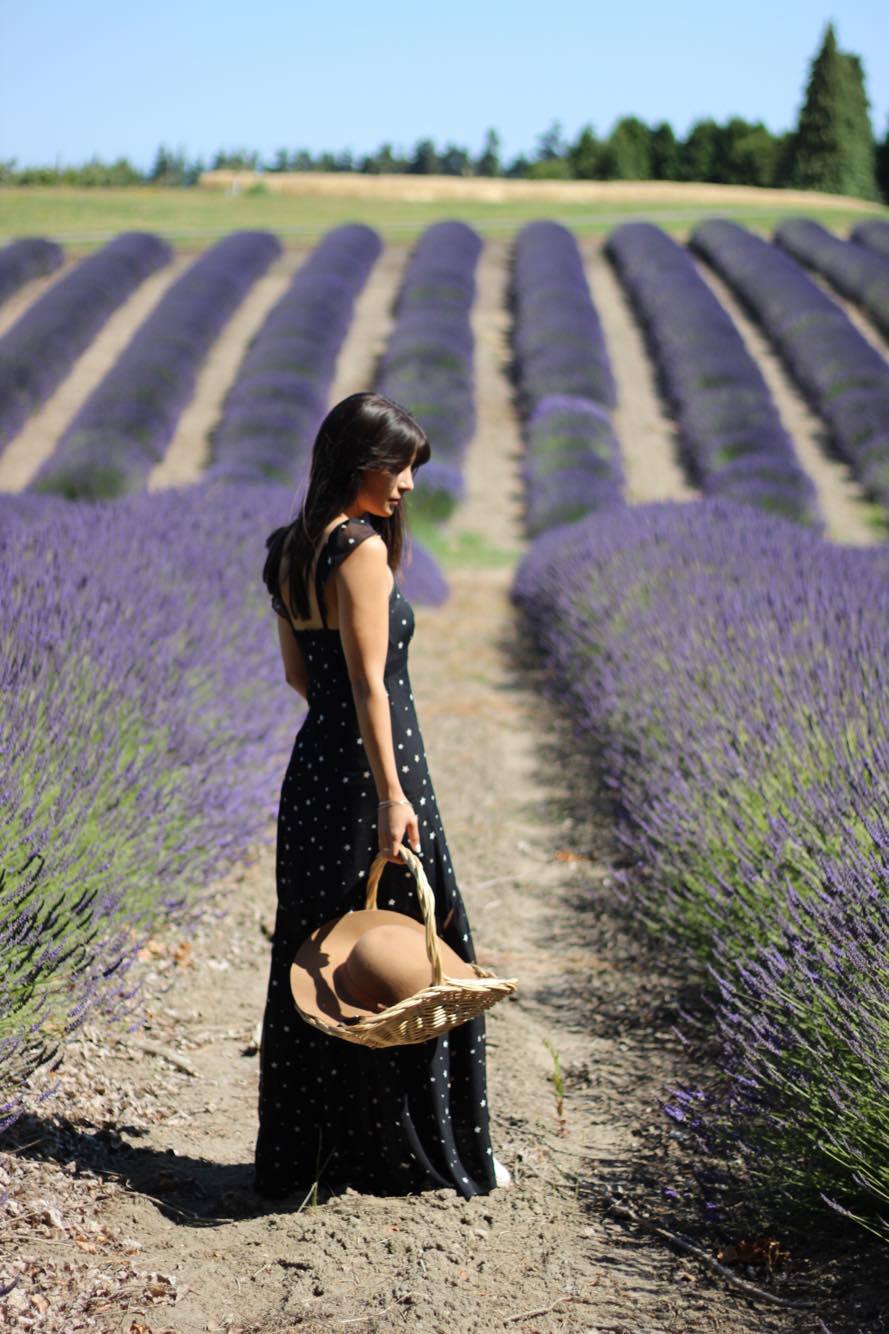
(399, 1119)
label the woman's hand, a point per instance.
(393, 822)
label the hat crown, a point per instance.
(386, 964)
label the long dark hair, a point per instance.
(364, 431)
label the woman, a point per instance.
(405, 1118)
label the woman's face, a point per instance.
(381, 492)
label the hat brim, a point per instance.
(317, 991)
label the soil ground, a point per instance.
(647, 435)
(128, 1203)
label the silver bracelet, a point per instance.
(401, 801)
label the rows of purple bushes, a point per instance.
(281, 392)
(843, 375)
(559, 347)
(145, 727)
(873, 233)
(732, 440)
(28, 257)
(280, 395)
(125, 425)
(427, 364)
(44, 343)
(854, 270)
(729, 672)
(564, 385)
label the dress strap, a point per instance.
(341, 542)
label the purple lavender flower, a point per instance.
(729, 670)
(43, 344)
(565, 386)
(714, 388)
(28, 257)
(832, 362)
(280, 394)
(855, 271)
(125, 425)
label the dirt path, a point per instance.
(845, 507)
(37, 439)
(164, 1155)
(130, 1199)
(371, 325)
(647, 435)
(187, 452)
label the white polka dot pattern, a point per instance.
(398, 1119)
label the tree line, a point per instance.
(831, 148)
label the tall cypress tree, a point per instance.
(833, 143)
(860, 163)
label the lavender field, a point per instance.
(727, 674)
(723, 661)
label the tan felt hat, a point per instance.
(382, 978)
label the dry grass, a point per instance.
(496, 190)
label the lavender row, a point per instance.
(732, 441)
(559, 346)
(42, 346)
(873, 233)
(145, 728)
(729, 672)
(571, 462)
(280, 394)
(125, 425)
(427, 364)
(855, 271)
(28, 257)
(842, 374)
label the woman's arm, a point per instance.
(363, 585)
(295, 671)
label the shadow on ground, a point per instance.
(193, 1192)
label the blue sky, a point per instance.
(110, 77)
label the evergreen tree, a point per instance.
(425, 159)
(858, 134)
(454, 161)
(488, 162)
(819, 148)
(665, 157)
(585, 155)
(834, 140)
(387, 160)
(701, 152)
(748, 153)
(551, 145)
(785, 156)
(518, 168)
(159, 171)
(280, 162)
(551, 162)
(627, 155)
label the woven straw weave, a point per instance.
(428, 1013)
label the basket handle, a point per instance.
(424, 894)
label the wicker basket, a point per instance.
(445, 1004)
